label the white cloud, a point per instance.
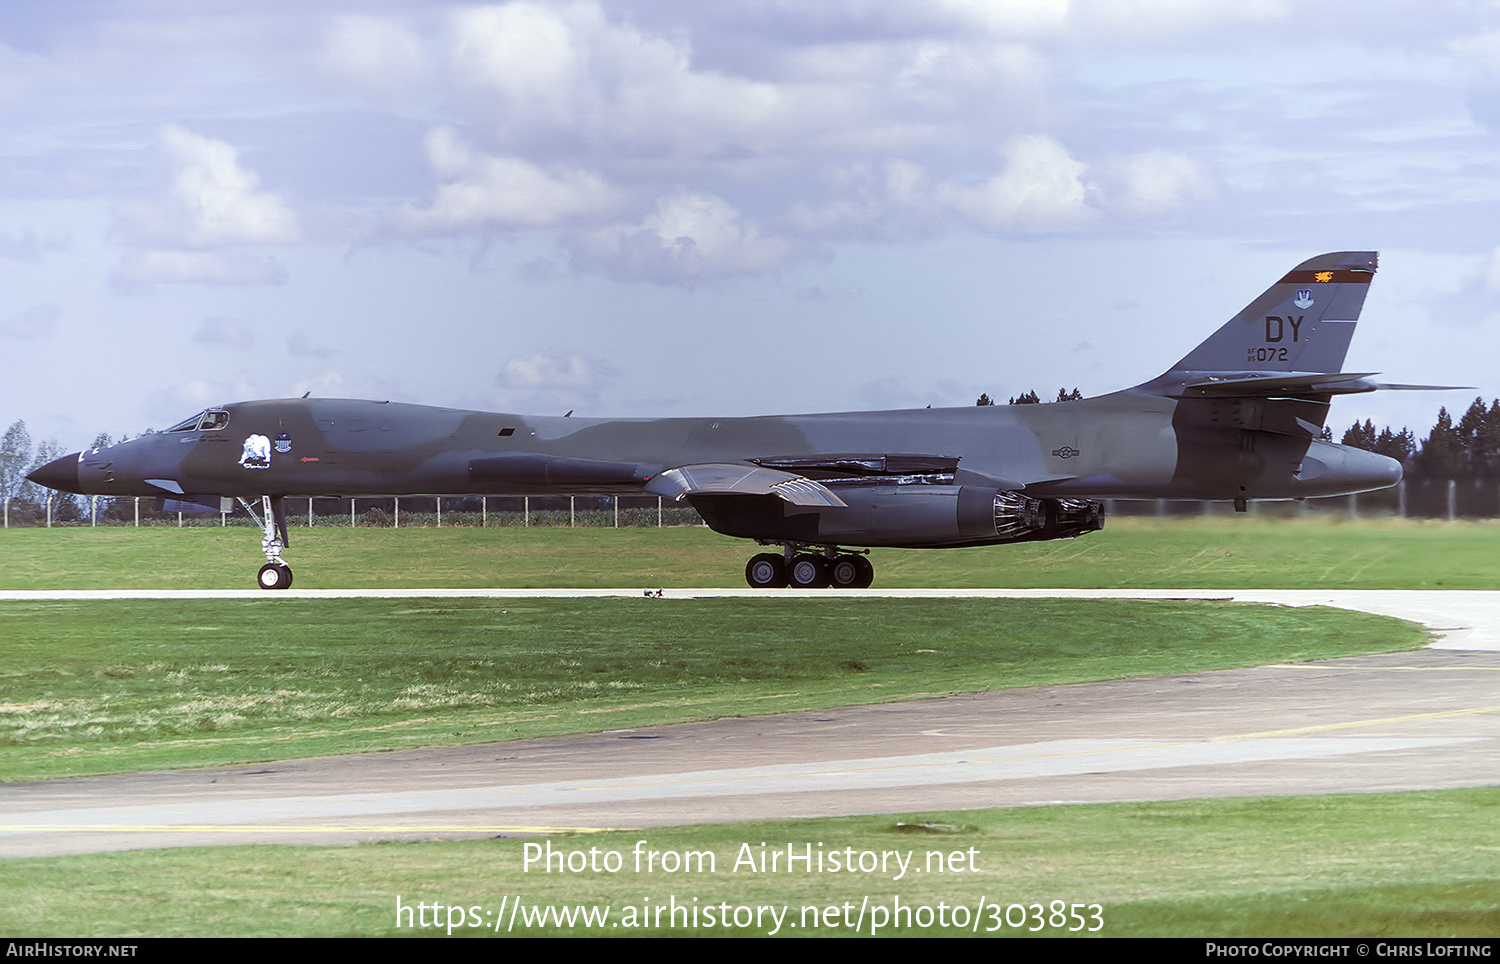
(219, 332)
(1156, 182)
(28, 247)
(380, 58)
(1144, 19)
(1008, 18)
(562, 78)
(173, 403)
(527, 57)
(335, 384)
(481, 190)
(552, 382)
(1492, 271)
(544, 370)
(299, 344)
(688, 237)
(138, 272)
(1039, 187)
(895, 196)
(37, 323)
(211, 202)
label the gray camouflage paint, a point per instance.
(1236, 419)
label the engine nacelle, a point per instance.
(902, 516)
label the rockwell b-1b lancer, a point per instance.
(1239, 418)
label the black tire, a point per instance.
(866, 572)
(765, 571)
(808, 572)
(845, 572)
(273, 576)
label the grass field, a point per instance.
(1364, 866)
(1222, 552)
(106, 686)
(113, 686)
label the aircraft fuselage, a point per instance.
(1120, 446)
(1237, 419)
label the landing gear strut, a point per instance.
(275, 574)
(810, 567)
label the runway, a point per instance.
(1423, 720)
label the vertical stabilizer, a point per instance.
(1302, 323)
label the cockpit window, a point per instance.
(209, 421)
(187, 424)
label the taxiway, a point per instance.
(1405, 721)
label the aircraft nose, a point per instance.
(60, 474)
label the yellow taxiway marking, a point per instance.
(1355, 724)
(1381, 669)
(718, 777)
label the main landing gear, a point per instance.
(810, 567)
(275, 574)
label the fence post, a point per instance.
(137, 512)
(1401, 499)
(1452, 499)
(571, 501)
(439, 502)
(617, 511)
(525, 511)
(484, 511)
(396, 519)
(658, 512)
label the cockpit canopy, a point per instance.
(210, 420)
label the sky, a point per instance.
(662, 207)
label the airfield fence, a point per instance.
(388, 512)
(1413, 498)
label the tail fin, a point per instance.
(1302, 323)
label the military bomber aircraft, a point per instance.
(1238, 418)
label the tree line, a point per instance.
(17, 460)
(1032, 398)
(1469, 449)
(24, 500)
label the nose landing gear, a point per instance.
(275, 574)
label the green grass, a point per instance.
(1220, 552)
(103, 686)
(113, 686)
(1357, 866)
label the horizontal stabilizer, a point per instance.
(1390, 387)
(1243, 385)
(731, 478)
